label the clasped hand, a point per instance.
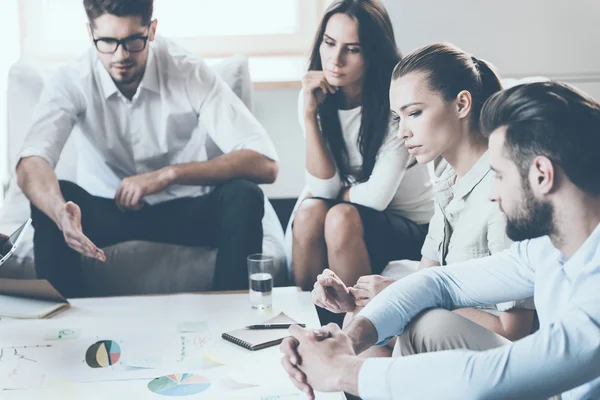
(317, 359)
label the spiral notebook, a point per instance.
(256, 339)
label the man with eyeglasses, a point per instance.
(144, 105)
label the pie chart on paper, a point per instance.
(179, 385)
(103, 354)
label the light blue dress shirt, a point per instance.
(563, 356)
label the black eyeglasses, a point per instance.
(131, 44)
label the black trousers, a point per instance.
(229, 218)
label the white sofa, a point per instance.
(132, 267)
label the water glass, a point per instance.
(260, 276)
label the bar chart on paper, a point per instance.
(179, 385)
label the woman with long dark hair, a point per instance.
(369, 202)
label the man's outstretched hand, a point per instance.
(69, 222)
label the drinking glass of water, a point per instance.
(260, 274)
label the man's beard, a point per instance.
(134, 74)
(128, 79)
(534, 220)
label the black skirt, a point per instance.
(388, 236)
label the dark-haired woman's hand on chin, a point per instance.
(316, 88)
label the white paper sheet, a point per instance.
(214, 384)
(148, 330)
(137, 355)
(220, 388)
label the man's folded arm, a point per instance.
(502, 277)
(553, 360)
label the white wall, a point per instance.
(521, 37)
(9, 32)
(278, 112)
(554, 38)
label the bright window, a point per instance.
(57, 29)
(269, 17)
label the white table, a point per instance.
(143, 318)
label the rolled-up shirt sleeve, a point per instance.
(555, 359)
(224, 116)
(325, 188)
(54, 116)
(390, 167)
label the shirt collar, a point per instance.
(149, 81)
(472, 178)
(445, 189)
(446, 180)
(108, 86)
(582, 256)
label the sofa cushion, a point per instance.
(135, 267)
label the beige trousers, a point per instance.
(439, 330)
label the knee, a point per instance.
(244, 193)
(68, 189)
(309, 219)
(429, 328)
(342, 226)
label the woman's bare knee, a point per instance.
(343, 226)
(310, 219)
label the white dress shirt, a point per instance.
(179, 103)
(392, 186)
(562, 356)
